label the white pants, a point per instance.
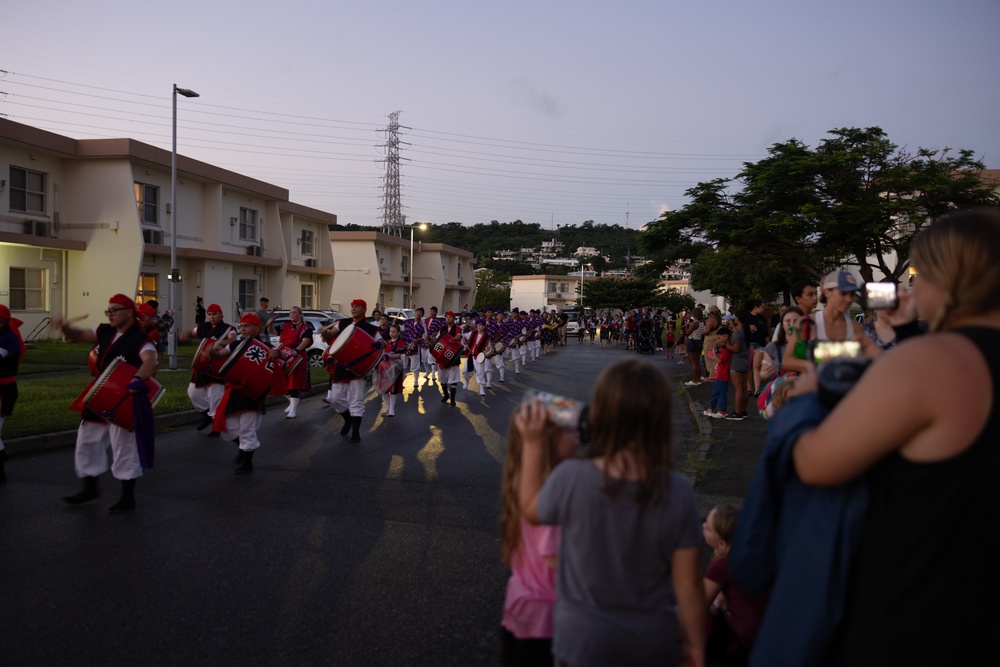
(449, 375)
(514, 354)
(498, 362)
(207, 397)
(484, 374)
(349, 396)
(244, 425)
(430, 363)
(91, 457)
(413, 362)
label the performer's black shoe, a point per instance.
(246, 466)
(88, 493)
(205, 421)
(355, 429)
(239, 455)
(346, 428)
(127, 502)
(214, 434)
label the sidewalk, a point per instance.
(730, 449)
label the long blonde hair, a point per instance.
(960, 253)
(510, 505)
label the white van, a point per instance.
(399, 313)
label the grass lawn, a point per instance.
(43, 401)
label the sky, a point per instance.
(547, 111)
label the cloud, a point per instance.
(528, 94)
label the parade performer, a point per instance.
(119, 338)
(522, 321)
(11, 352)
(449, 373)
(477, 342)
(204, 390)
(349, 389)
(296, 337)
(239, 415)
(413, 334)
(431, 327)
(497, 333)
(512, 330)
(395, 351)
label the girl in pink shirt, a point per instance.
(531, 552)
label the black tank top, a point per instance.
(924, 588)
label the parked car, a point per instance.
(573, 324)
(315, 351)
(400, 313)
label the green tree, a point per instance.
(605, 293)
(492, 289)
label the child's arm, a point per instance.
(712, 589)
(530, 421)
(690, 605)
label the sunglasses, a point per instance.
(111, 311)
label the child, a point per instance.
(735, 616)
(530, 552)
(671, 341)
(720, 384)
(628, 581)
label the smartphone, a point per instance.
(880, 296)
(565, 412)
(821, 351)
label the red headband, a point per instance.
(146, 309)
(250, 318)
(122, 300)
(359, 302)
(214, 308)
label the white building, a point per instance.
(546, 292)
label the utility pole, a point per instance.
(392, 215)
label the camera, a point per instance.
(567, 413)
(880, 296)
(839, 366)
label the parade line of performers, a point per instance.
(236, 368)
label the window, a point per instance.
(552, 288)
(306, 295)
(307, 243)
(248, 295)
(27, 190)
(146, 289)
(563, 287)
(147, 198)
(27, 289)
(248, 224)
(406, 266)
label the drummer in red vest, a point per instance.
(205, 390)
(238, 415)
(120, 337)
(296, 337)
(11, 351)
(348, 390)
(478, 342)
(449, 375)
(431, 327)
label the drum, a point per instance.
(481, 358)
(356, 351)
(203, 361)
(249, 369)
(293, 365)
(412, 348)
(92, 360)
(533, 335)
(108, 395)
(498, 347)
(386, 373)
(447, 350)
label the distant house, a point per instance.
(546, 292)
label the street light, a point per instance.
(175, 275)
(422, 226)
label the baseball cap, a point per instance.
(842, 280)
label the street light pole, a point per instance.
(174, 273)
(422, 226)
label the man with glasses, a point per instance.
(204, 390)
(120, 337)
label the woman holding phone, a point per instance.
(925, 437)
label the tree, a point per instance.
(605, 293)
(492, 289)
(856, 198)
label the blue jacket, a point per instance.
(798, 540)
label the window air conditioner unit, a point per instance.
(254, 250)
(36, 227)
(312, 263)
(154, 236)
(461, 282)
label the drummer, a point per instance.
(239, 416)
(296, 337)
(478, 342)
(348, 391)
(395, 351)
(413, 334)
(511, 331)
(204, 390)
(431, 327)
(535, 326)
(497, 334)
(120, 337)
(11, 351)
(449, 374)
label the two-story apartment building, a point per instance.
(81, 220)
(378, 268)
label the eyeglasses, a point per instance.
(111, 311)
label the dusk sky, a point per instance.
(548, 112)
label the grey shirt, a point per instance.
(740, 361)
(615, 596)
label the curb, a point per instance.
(704, 436)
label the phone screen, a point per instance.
(823, 351)
(881, 296)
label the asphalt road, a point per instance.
(383, 552)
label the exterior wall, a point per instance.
(533, 291)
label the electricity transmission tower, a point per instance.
(392, 215)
